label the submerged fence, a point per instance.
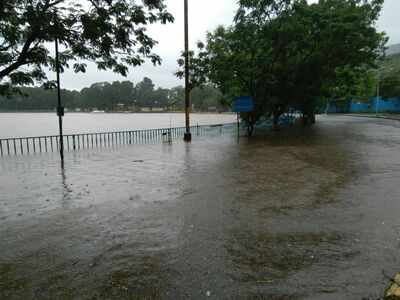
(74, 142)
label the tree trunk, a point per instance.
(308, 119)
(312, 118)
(275, 120)
(250, 129)
(304, 119)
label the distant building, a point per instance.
(152, 109)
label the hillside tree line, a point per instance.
(118, 95)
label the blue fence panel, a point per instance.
(381, 105)
(360, 107)
(391, 105)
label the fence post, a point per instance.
(15, 148)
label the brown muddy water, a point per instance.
(298, 214)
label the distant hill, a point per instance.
(393, 49)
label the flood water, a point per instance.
(296, 214)
(40, 124)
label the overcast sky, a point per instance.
(205, 15)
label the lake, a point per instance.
(39, 124)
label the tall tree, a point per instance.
(145, 92)
(288, 53)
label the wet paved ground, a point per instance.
(299, 214)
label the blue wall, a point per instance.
(391, 105)
(360, 107)
(388, 105)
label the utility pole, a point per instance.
(60, 109)
(188, 135)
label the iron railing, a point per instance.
(74, 142)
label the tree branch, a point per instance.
(26, 49)
(5, 48)
(49, 5)
(22, 59)
(94, 4)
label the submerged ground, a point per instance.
(299, 214)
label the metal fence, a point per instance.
(74, 142)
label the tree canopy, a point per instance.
(290, 54)
(118, 95)
(110, 33)
(388, 75)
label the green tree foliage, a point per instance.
(112, 96)
(145, 92)
(106, 96)
(351, 83)
(176, 98)
(388, 76)
(110, 33)
(207, 97)
(290, 54)
(38, 99)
